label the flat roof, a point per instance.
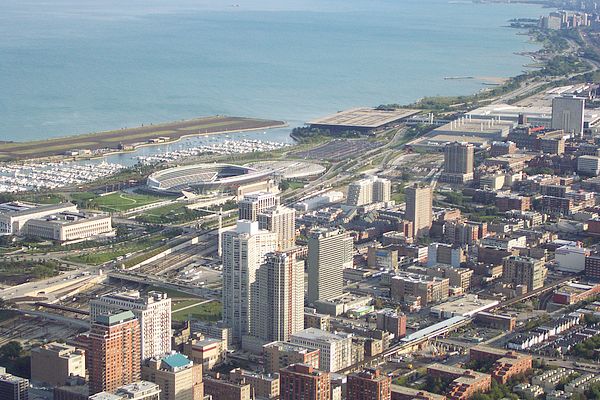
(466, 305)
(507, 111)
(317, 335)
(364, 117)
(16, 208)
(468, 125)
(435, 327)
(414, 392)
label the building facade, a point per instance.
(177, 377)
(369, 385)
(282, 221)
(244, 251)
(419, 205)
(278, 308)
(253, 204)
(114, 351)
(303, 382)
(335, 350)
(153, 312)
(524, 271)
(329, 252)
(53, 364)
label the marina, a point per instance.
(34, 176)
(242, 146)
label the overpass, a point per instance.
(412, 342)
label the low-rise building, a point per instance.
(507, 364)
(54, 363)
(142, 390)
(264, 386)
(207, 352)
(407, 393)
(550, 379)
(497, 321)
(176, 375)
(69, 226)
(15, 216)
(429, 289)
(392, 321)
(221, 389)
(335, 350)
(299, 381)
(13, 387)
(279, 355)
(465, 383)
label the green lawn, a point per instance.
(174, 295)
(204, 312)
(118, 250)
(122, 201)
(170, 214)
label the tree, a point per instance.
(11, 350)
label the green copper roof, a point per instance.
(176, 360)
(116, 318)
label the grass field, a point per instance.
(169, 214)
(203, 312)
(118, 250)
(121, 201)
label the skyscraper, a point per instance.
(303, 382)
(369, 190)
(114, 351)
(244, 251)
(360, 192)
(329, 252)
(458, 158)
(153, 311)
(382, 190)
(568, 114)
(370, 384)
(278, 305)
(419, 204)
(458, 163)
(282, 221)
(253, 204)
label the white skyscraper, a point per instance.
(568, 113)
(153, 311)
(244, 251)
(382, 190)
(278, 305)
(329, 252)
(360, 192)
(282, 221)
(253, 204)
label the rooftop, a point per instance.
(440, 326)
(466, 305)
(15, 209)
(115, 318)
(176, 361)
(315, 334)
(364, 117)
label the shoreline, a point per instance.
(126, 140)
(112, 153)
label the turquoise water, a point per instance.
(70, 66)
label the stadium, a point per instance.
(205, 178)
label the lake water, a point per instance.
(75, 66)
